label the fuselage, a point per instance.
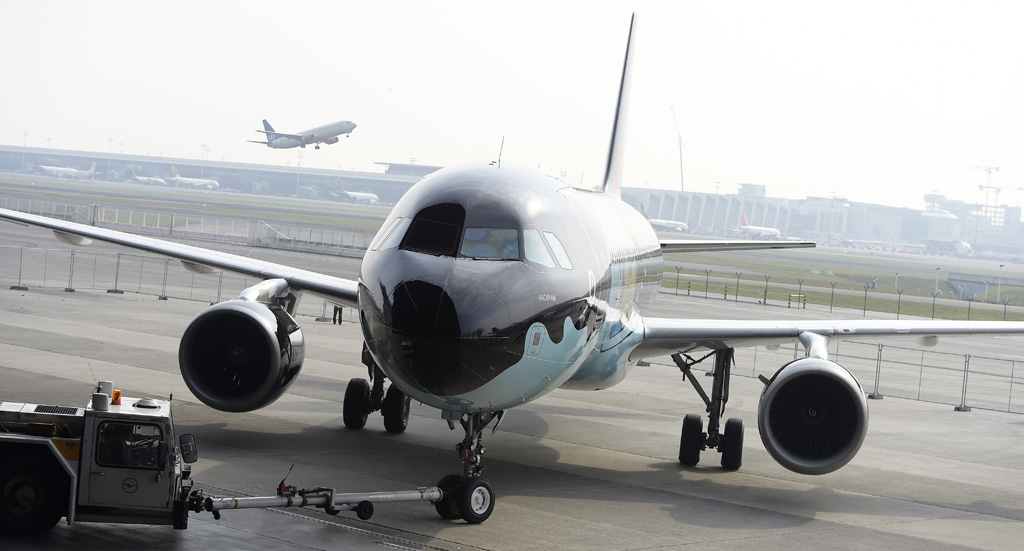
(488, 287)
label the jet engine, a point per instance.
(331, 140)
(308, 138)
(241, 355)
(812, 416)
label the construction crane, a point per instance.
(988, 182)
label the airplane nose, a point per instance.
(442, 345)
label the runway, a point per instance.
(573, 470)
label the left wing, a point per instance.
(335, 289)
(711, 245)
(667, 336)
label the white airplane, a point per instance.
(757, 232)
(145, 180)
(355, 197)
(63, 172)
(199, 183)
(664, 225)
(487, 287)
(327, 134)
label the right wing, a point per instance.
(334, 289)
(713, 245)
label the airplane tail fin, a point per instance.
(643, 211)
(174, 171)
(271, 133)
(743, 218)
(92, 167)
(616, 150)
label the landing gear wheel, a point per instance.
(395, 410)
(446, 506)
(731, 445)
(356, 407)
(476, 500)
(30, 497)
(692, 440)
(364, 510)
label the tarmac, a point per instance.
(573, 470)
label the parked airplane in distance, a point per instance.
(63, 172)
(758, 232)
(197, 183)
(354, 196)
(664, 225)
(327, 134)
(146, 180)
(488, 287)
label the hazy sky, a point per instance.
(875, 101)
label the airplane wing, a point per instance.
(334, 289)
(712, 245)
(666, 336)
(283, 135)
(254, 141)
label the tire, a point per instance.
(395, 410)
(364, 510)
(691, 441)
(447, 507)
(732, 445)
(476, 500)
(356, 407)
(32, 496)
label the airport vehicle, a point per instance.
(115, 460)
(327, 134)
(489, 286)
(64, 172)
(199, 183)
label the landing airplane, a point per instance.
(757, 232)
(145, 180)
(200, 183)
(488, 287)
(664, 225)
(327, 134)
(67, 172)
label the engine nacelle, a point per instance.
(241, 355)
(812, 416)
(331, 140)
(308, 138)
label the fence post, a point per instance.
(738, 274)
(21, 263)
(707, 281)
(71, 274)
(963, 397)
(1009, 399)
(677, 280)
(117, 274)
(878, 374)
(220, 284)
(163, 288)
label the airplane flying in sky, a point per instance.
(67, 172)
(490, 286)
(757, 232)
(145, 179)
(327, 134)
(199, 183)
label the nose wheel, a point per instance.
(469, 496)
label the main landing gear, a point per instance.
(469, 496)
(361, 400)
(693, 439)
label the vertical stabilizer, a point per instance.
(271, 135)
(616, 150)
(743, 219)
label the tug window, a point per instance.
(559, 250)
(535, 250)
(498, 243)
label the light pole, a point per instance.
(897, 284)
(110, 144)
(831, 210)
(714, 213)
(937, 280)
(202, 167)
(999, 287)
(24, 144)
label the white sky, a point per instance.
(875, 101)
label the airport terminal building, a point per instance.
(946, 226)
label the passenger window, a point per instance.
(535, 250)
(383, 233)
(559, 250)
(396, 235)
(498, 243)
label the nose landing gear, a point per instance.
(469, 496)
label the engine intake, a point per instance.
(812, 416)
(241, 355)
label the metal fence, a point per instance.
(321, 239)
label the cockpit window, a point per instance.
(535, 250)
(559, 250)
(396, 235)
(383, 233)
(497, 243)
(436, 230)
